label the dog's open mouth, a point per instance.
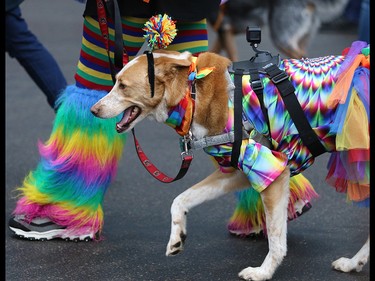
(130, 114)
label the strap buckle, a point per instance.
(256, 85)
(279, 77)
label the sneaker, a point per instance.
(300, 207)
(255, 233)
(43, 229)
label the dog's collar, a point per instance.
(180, 116)
(195, 74)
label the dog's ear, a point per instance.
(171, 69)
(166, 61)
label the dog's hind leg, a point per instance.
(212, 187)
(275, 199)
(355, 263)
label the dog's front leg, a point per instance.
(275, 200)
(214, 186)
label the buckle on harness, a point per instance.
(256, 85)
(279, 77)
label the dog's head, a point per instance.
(131, 93)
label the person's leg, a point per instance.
(364, 22)
(227, 39)
(78, 161)
(191, 36)
(38, 62)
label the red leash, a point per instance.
(102, 19)
(155, 172)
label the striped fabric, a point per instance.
(93, 70)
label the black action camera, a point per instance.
(253, 35)
(261, 58)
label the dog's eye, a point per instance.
(121, 86)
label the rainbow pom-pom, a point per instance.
(160, 31)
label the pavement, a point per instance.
(137, 207)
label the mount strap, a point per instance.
(257, 86)
(237, 108)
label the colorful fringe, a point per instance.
(249, 217)
(78, 162)
(349, 166)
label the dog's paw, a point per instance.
(254, 274)
(347, 265)
(176, 246)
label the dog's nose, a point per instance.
(95, 110)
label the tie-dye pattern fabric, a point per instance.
(288, 147)
(314, 80)
(348, 168)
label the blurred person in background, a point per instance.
(24, 46)
(293, 24)
(364, 21)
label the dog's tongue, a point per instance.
(129, 115)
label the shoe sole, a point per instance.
(49, 235)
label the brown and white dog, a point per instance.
(131, 95)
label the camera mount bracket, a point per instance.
(261, 58)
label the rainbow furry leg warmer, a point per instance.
(77, 164)
(249, 217)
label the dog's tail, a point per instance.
(329, 10)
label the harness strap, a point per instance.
(237, 108)
(151, 71)
(257, 86)
(286, 89)
(226, 138)
(211, 141)
(154, 171)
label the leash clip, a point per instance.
(185, 146)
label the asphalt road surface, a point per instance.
(137, 207)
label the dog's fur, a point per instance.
(294, 24)
(132, 88)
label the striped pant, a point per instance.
(93, 69)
